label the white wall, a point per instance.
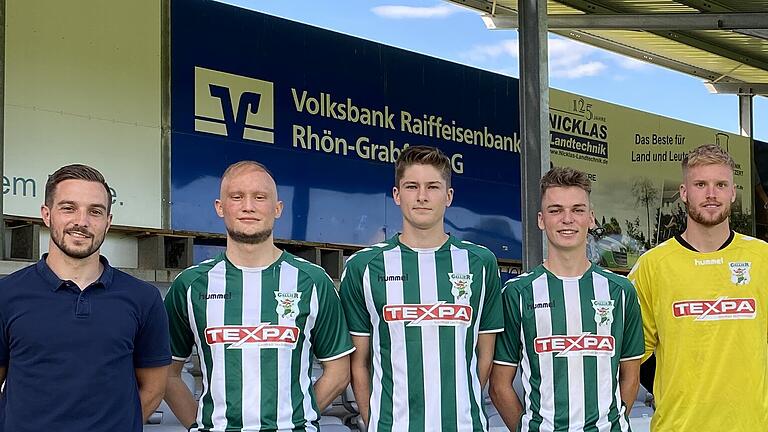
(83, 85)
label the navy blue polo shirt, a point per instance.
(71, 354)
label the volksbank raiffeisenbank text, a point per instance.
(422, 125)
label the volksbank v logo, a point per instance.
(234, 106)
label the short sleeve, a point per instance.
(181, 336)
(632, 342)
(331, 335)
(353, 301)
(492, 320)
(640, 278)
(151, 347)
(508, 346)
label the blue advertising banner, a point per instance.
(329, 114)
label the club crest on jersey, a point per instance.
(287, 304)
(461, 283)
(740, 272)
(603, 312)
(435, 314)
(264, 335)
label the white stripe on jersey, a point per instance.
(400, 409)
(475, 334)
(622, 421)
(375, 402)
(251, 370)
(203, 366)
(217, 283)
(430, 344)
(304, 381)
(604, 386)
(575, 364)
(289, 277)
(544, 328)
(460, 264)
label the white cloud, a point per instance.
(440, 10)
(567, 51)
(567, 58)
(578, 71)
(632, 64)
(481, 53)
(571, 59)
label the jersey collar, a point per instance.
(396, 240)
(688, 246)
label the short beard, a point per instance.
(699, 218)
(255, 238)
(96, 243)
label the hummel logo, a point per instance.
(542, 305)
(234, 106)
(217, 296)
(705, 262)
(392, 278)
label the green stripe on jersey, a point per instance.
(424, 310)
(257, 333)
(233, 311)
(573, 334)
(201, 319)
(448, 350)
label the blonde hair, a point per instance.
(707, 154)
(243, 164)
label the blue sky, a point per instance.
(442, 30)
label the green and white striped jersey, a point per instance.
(568, 336)
(423, 310)
(257, 332)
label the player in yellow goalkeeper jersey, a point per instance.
(704, 301)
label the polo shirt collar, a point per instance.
(105, 280)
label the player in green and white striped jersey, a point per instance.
(573, 328)
(258, 317)
(423, 308)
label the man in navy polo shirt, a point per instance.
(83, 346)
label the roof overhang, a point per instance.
(724, 42)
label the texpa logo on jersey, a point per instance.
(435, 314)
(576, 345)
(723, 308)
(264, 335)
(234, 106)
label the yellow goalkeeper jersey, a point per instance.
(706, 317)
